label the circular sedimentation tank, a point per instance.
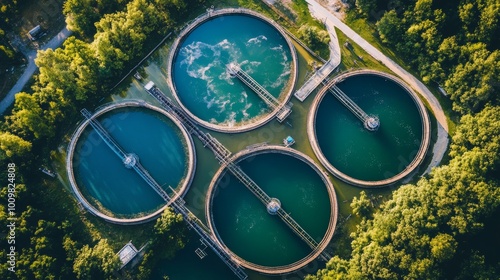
(252, 231)
(203, 85)
(367, 154)
(108, 186)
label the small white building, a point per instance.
(35, 33)
(127, 253)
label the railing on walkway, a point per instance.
(221, 154)
(177, 204)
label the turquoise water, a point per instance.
(249, 231)
(365, 155)
(199, 72)
(104, 180)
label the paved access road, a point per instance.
(441, 144)
(31, 68)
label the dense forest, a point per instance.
(8, 57)
(452, 43)
(445, 225)
(110, 37)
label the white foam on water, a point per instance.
(244, 97)
(208, 102)
(283, 77)
(225, 76)
(246, 115)
(250, 66)
(190, 53)
(281, 80)
(255, 63)
(256, 40)
(231, 121)
(221, 104)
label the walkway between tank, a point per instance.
(222, 154)
(319, 76)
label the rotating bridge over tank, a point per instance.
(223, 154)
(178, 205)
(274, 207)
(370, 122)
(271, 101)
(129, 160)
(280, 112)
(417, 155)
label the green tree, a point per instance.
(98, 262)
(313, 36)
(443, 246)
(27, 119)
(390, 27)
(475, 82)
(480, 131)
(366, 6)
(362, 206)
(72, 69)
(13, 145)
(81, 16)
(170, 234)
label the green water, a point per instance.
(104, 180)
(249, 231)
(186, 264)
(365, 155)
(199, 72)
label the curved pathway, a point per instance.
(441, 144)
(31, 68)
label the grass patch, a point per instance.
(355, 57)
(368, 30)
(9, 79)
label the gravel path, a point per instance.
(441, 143)
(31, 68)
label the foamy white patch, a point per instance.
(246, 115)
(224, 44)
(283, 77)
(225, 76)
(208, 102)
(231, 121)
(190, 53)
(221, 104)
(249, 66)
(256, 40)
(195, 50)
(281, 51)
(201, 72)
(255, 63)
(244, 97)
